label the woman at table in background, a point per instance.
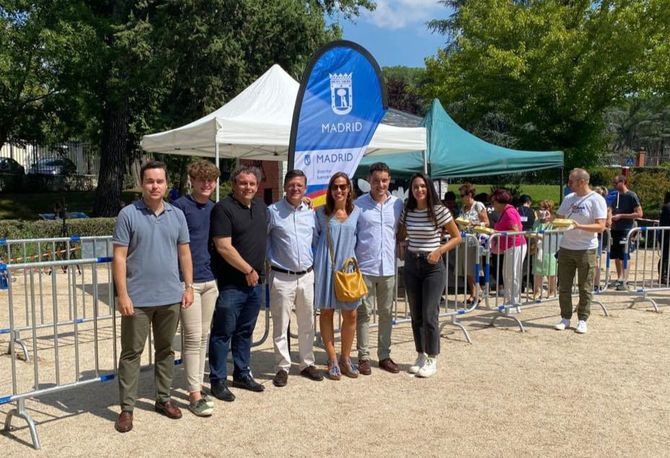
(422, 222)
(513, 246)
(476, 213)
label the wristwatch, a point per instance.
(188, 286)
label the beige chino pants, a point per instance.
(196, 322)
(286, 292)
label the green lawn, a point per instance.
(537, 192)
(28, 206)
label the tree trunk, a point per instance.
(114, 147)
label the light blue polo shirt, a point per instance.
(152, 265)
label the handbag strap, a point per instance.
(348, 262)
(330, 242)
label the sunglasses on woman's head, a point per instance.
(341, 187)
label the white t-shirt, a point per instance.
(585, 210)
(473, 214)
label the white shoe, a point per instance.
(581, 327)
(563, 325)
(429, 368)
(418, 364)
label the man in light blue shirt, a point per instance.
(376, 253)
(291, 229)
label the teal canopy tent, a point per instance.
(454, 152)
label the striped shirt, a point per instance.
(421, 232)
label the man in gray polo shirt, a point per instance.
(150, 245)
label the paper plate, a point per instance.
(483, 230)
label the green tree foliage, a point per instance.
(35, 49)
(404, 88)
(639, 123)
(549, 68)
(118, 69)
(192, 56)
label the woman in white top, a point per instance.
(422, 223)
(475, 212)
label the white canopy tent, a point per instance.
(256, 125)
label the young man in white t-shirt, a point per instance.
(577, 253)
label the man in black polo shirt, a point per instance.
(626, 209)
(238, 231)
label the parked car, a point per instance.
(11, 167)
(61, 166)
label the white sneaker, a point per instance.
(429, 368)
(563, 325)
(581, 327)
(418, 364)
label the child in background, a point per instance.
(546, 246)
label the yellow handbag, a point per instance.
(349, 285)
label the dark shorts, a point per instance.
(618, 244)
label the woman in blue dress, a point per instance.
(339, 218)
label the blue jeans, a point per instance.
(233, 325)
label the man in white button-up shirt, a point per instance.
(375, 251)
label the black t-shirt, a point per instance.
(664, 220)
(527, 217)
(247, 227)
(624, 203)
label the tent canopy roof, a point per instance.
(256, 124)
(455, 152)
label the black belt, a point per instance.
(418, 254)
(284, 271)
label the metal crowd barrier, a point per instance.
(14, 251)
(602, 278)
(38, 256)
(516, 266)
(57, 314)
(645, 263)
(463, 261)
(63, 321)
(72, 340)
(460, 262)
(454, 299)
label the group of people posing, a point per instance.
(203, 264)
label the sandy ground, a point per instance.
(541, 392)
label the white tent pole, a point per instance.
(425, 162)
(216, 156)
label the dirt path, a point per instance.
(538, 393)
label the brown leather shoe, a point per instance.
(364, 366)
(124, 423)
(312, 373)
(389, 366)
(168, 409)
(281, 378)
